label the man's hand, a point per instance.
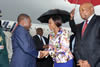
(46, 46)
(80, 63)
(43, 54)
(86, 64)
(83, 63)
(72, 14)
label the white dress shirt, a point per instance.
(89, 19)
(41, 37)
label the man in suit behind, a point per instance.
(41, 43)
(24, 52)
(87, 44)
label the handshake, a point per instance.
(43, 54)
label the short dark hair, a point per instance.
(57, 19)
(22, 16)
(39, 29)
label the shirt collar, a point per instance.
(90, 18)
(39, 36)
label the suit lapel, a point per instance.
(80, 30)
(38, 38)
(89, 27)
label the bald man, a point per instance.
(87, 49)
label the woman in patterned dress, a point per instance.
(59, 43)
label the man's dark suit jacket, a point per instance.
(38, 43)
(24, 52)
(45, 62)
(88, 46)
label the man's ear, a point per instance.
(92, 9)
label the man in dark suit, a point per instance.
(24, 52)
(87, 43)
(41, 43)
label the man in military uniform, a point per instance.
(4, 62)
